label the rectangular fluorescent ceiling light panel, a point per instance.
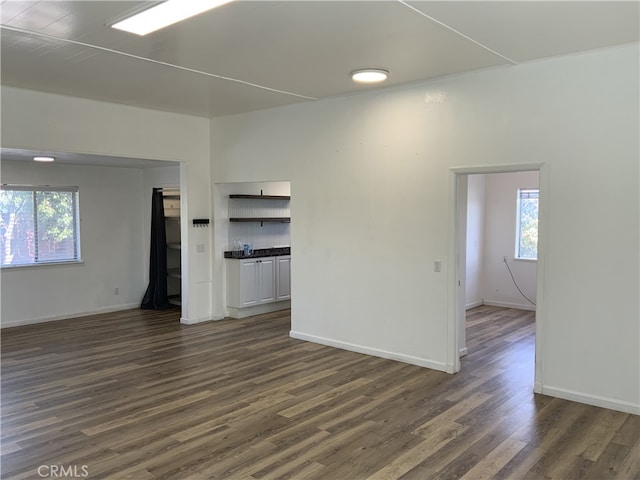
(165, 14)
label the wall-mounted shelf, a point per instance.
(175, 300)
(248, 210)
(174, 272)
(261, 219)
(261, 197)
(171, 203)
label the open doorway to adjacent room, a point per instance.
(497, 249)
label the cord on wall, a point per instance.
(515, 283)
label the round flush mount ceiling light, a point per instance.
(369, 75)
(43, 159)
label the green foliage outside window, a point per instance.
(38, 225)
(527, 246)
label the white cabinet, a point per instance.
(266, 280)
(251, 281)
(247, 283)
(283, 277)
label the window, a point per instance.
(38, 225)
(527, 224)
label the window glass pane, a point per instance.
(17, 227)
(38, 225)
(56, 226)
(528, 224)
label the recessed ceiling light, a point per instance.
(370, 75)
(165, 14)
(43, 159)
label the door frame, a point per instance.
(457, 261)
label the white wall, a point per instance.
(499, 241)
(373, 200)
(110, 201)
(56, 123)
(475, 239)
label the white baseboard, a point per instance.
(421, 362)
(463, 351)
(471, 305)
(595, 400)
(193, 321)
(53, 318)
(519, 306)
(258, 309)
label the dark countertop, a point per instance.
(260, 252)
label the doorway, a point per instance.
(489, 267)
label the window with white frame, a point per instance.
(38, 225)
(527, 224)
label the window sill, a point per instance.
(39, 265)
(516, 259)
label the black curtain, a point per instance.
(155, 298)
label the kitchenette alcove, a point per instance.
(253, 225)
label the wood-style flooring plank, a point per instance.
(135, 394)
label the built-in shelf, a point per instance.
(261, 219)
(261, 197)
(174, 273)
(171, 204)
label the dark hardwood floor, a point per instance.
(137, 395)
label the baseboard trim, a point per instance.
(66, 316)
(193, 321)
(258, 309)
(519, 306)
(471, 305)
(595, 400)
(375, 352)
(463, 351)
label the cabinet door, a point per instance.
(267, 280)
(283, 278)
(249, 282)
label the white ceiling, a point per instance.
(251, 55)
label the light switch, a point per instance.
(437, 265)
(200, 248)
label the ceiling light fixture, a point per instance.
(370, 75)
(165, 14)
(43, 159)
